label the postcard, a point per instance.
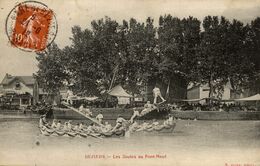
(130, 82)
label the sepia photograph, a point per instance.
(130, 82)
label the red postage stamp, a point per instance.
(31, 26)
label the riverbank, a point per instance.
(112, 114)
(216, 115)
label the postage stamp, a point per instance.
(31, 26)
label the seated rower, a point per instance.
(58, 126)
(41, 123)
(69, 125)
(143, 126)
(90, 128)
(44, 120)
(134, 126)
(107, 127)
(54, 124)
(76, 128)
(88, 112)
(169, 121)
(119, 123)
(154, 124)
(100, 117)
(81, 126)
(65, 127)
(148, 107)
(81, 108)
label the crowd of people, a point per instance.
(101, 128)
(81, 128)
(232, 107)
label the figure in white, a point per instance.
(69, 97)
(156, 94)
(29, 25)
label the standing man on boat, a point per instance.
(156, 94)
(69, 96)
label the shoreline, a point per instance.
(112, 115)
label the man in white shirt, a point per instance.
(148, 107)
(81, 108)
(69, 97)
(156, 94)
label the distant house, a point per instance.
(202, 91)
(22, 89)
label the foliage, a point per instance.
(132, 52)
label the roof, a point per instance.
(118, 91)
(23, 90)
(193, 86)
(27, 80)
(251, 98)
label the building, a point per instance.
(21, 90)
(195, 92)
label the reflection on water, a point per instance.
(227, 140)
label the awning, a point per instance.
(251, 98)
(91, 98)
(118, 91)
(191, 100)
(19, 92)
(196, 100)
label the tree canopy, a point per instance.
(214, 52)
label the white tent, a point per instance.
(118, 91)
(91, 98)
(192, 100)
(251, 98)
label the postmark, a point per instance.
(31, 26)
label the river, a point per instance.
(223, 143)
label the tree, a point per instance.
(178, 42)
(222, 57)
(137, 54)
(51, 73)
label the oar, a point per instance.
(95, 136)
(76, 110)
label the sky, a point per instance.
(81, 12)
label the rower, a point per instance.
(169, 121)
(69, 125)
(81, 126)
(134, 126)
(99, 117)
(65, 127)
(119, 122)
(148, 107)
(44, 120)
(58, 126)
(76, 127)
(88, 112)
(41, 123)
(90, 128)
(143, 126)
(107, 127)
(81, 108)
(54, 125)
